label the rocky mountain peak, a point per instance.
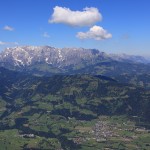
(24, 56)
(28, 55)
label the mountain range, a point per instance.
(46, 60)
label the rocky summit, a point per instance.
(29, 55)
(48, 61)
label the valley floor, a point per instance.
(106, 133)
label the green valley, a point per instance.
(72, 112)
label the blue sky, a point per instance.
(123, 28)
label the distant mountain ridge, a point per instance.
(29, 55)
(46, 60)
(132, 58)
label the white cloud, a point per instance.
(2, 43)
(95, 32)
(46, 35)
(8, 28)
(8, 43)
(87, 17)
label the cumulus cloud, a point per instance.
(8, 43)
(8, 28)
(95, 32)
(46, 35)
(87, 17)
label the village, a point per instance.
(104, 131)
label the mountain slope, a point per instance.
(96, 94)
